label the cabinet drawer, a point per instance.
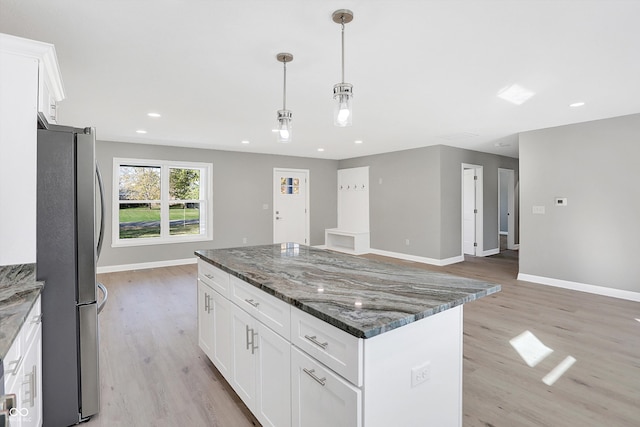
(335, 348)
(214, 277)
(268, 309)
(320, 398)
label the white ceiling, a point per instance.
(424, 72)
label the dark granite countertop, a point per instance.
(19, 290)
(360, 296)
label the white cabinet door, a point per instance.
(273, 395)
(205, 318)
(31, 387)
(319, 397)
(23, 372)
(221, 352)
(244, 347)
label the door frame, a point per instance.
(479, 170)
(511, 214)
(276, 172)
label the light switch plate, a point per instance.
(538, 210)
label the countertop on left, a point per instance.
(19, 290)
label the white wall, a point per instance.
(594, 239)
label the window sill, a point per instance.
(159, 241)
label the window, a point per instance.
(161, 202)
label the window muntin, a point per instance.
(161, 202)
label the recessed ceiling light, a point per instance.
(153, 114)
(320, 149)
(515, 94)
(358, 141)
(141, 131)
(576, 104)
(245, 141)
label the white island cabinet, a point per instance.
(29, 83)
(319, 338)
(23, 372)
(291, 368)
(252, 357)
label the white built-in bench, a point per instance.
(356, 243)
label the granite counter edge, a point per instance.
(358, 333)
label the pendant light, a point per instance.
(342, 92)
(284, 115)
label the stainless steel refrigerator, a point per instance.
(68, 245)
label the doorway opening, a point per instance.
(506, 209)
(472, 229)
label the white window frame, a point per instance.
(206, 189)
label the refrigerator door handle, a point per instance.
(105, 294)
(101, 191)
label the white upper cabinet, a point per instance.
(29, 73)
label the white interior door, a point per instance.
(468, 212)
(472, 216)
(291, 206)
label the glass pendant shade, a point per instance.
(284, 126)
(342, 92)
(343, 112)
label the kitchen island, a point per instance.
(309, 337)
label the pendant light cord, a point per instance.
(284, 91)
(342, 49)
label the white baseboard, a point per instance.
(145, 265)
(582, 287)
(424, 260)
(320, 246)
(494, 251)
(504, 233)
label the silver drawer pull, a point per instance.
(311, 373)
(252, 302)
(16, 368)
(314, 340)
(209, 276)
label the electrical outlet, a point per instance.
(244, 240)
(406, 242)
(420, 374)
(265, 206)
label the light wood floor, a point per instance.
(154, 374)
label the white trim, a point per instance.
(424, 260)
(490, 252)
(320, 246)
(145, 265)
(582, 287)
(45, 53)
(516, 247)
(503, 233)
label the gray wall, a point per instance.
(592, 239)
(242, 183)
(420, 199)
(406, 205)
